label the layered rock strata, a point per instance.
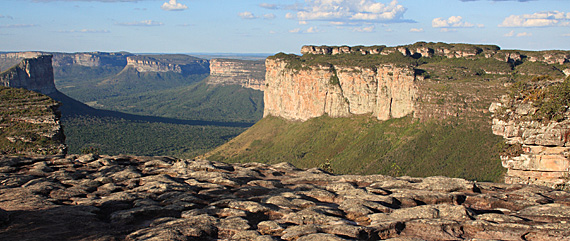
(92, 59)
(385, 92)
(247, 73)
(182, 64)
(428, 50)
(29, 123)
(541, 149)
(94, 197)
(35, 73)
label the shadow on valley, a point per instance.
(71, 107)
(90, 130)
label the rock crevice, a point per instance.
(161, 198)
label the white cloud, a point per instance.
(268, 6)
(416, 30)
(296, 30)
(85, 31)
(269, 16)
(313, 30)
(539, 19)
(172, 5)
(350, 10)
(247, 15)
(451, 22)
(302, 22)
(368, 29)
(498, 0)
(144, 23)
(524, 34)
(18, 25)
(447, 30)
(566, 35)
(510, 34)
(289, 16)
(105, 1)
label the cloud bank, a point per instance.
(144, 23)
(349, 11)
(173, 5)
(539, 19)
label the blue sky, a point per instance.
(271, 26)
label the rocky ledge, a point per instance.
(92, 197)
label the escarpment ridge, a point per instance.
(247, 73)
(390, 82)
(338, 91)
(34, 73)
(429, 50)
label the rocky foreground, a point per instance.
(93, 197)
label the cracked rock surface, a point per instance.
(92, 197)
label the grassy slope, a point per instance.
(362, 145)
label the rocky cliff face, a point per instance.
(539, 150)
(29, 123)
(162, 198)
(428, 50)
(299, 94)
(93, 59)
(247, 73)
(181, 64)
(34, 73)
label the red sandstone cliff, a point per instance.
(300, 94)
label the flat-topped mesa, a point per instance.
(539, 151)
(247, 73)
(181, 64)
(428, 50)
(91, 59)
(385, 91)
(34, 74)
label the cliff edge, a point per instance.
(34, 73)
(246, 73)
(535, 122)
(29, 123)
(304, 92)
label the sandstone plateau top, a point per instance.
(92, 197)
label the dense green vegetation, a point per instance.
(552, 99)
(113, 136)
(98, 84)
(199, 101)
(362, 145)
(18, 135)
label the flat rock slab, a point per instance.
(93, 197)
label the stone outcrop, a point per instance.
(338, 91)
(428, 50)
(34, 73)
(247, 73)
(91, 59)
(29, 123)
(92, 197)
(540, 150)
(182, 64)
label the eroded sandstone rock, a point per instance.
(77, 197)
